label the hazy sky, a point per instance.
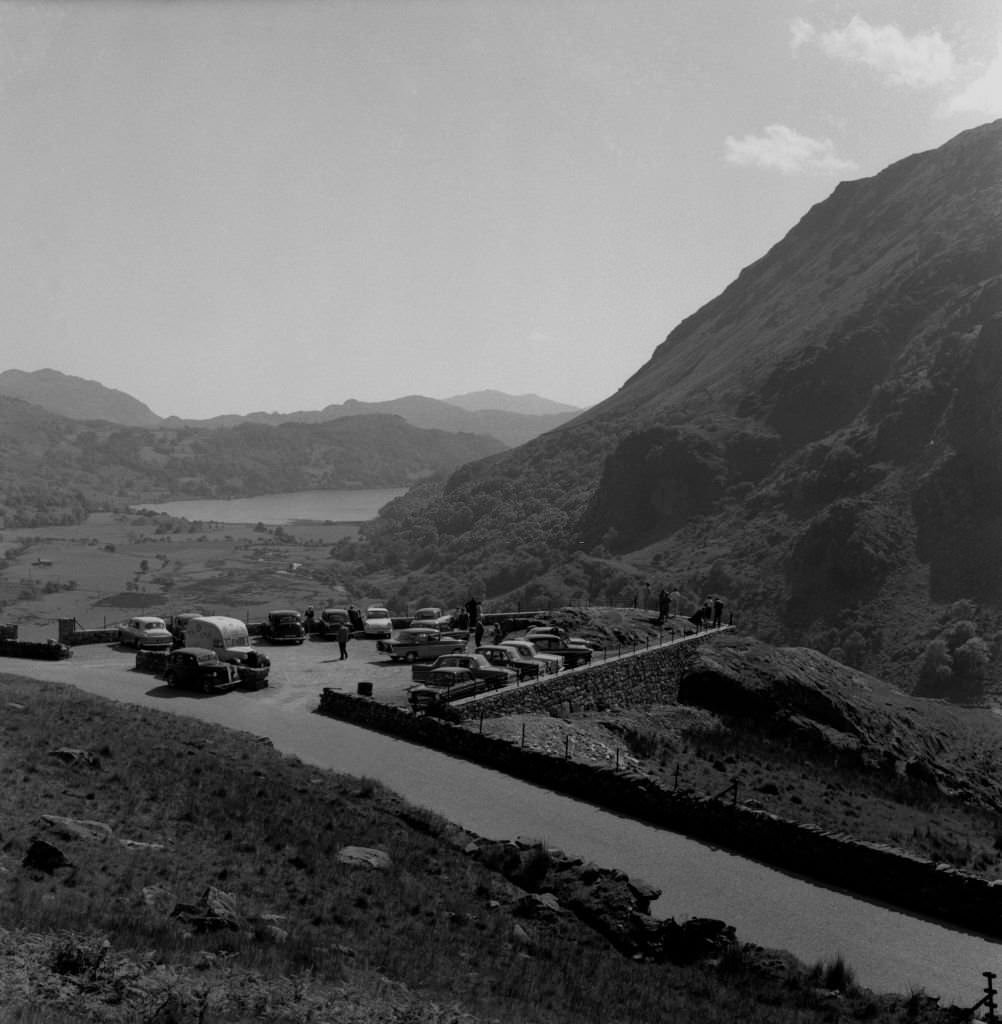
(233, 206)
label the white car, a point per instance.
(378, 622)
(145, 632)
(431, 618)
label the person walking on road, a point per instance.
(342, 640)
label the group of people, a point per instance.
(709, 615)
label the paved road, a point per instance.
(889, 951)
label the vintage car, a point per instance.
(284, 626)
(378, 622)
(253, 666)
(145, 632)
(178, 623)
(451, 682)
(573, 653)
(331, 620)
(526, 650)
(418, 645)
(577, 641)
(476, 664)
(431, 618)
(501, 656)
(198, 668)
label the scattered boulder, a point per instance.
(43, 856)
(364, 857)
(77, 828)
(215, 911)
(77, 758)
(160, 899)
(536, 905)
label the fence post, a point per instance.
(617, 759)
(676, 774)
(567, 748)
(523, 735)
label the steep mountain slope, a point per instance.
(76, 398)
(821, 443)
(53, 469)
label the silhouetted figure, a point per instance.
(718, 612)
(342, 640)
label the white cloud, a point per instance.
(983, 95)
(917, 61)
(784, 150)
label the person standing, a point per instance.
(342, 640)
(478, 633)
(718, 612)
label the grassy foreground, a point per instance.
(432, 938)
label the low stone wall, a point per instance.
(153, 662)
(8, 631)
(648, 676)
(868, 869)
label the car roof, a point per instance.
(283, 611)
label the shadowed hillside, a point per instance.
(820, 443)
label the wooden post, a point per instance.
(617, 759)
(676, 774)
(567, 748)
(523, 735)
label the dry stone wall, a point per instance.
(648, 676)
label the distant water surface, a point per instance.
(282, 509)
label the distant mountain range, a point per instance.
(510, 419)
(821, 444)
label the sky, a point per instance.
(223, 207)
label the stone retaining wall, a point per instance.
(868, 869)
(649, 676)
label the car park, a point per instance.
(145, 633)
(198, 668)
(504, 657)
(378, 623)
(284, 626)
(418, 645)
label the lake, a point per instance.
(354, 506)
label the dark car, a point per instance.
(476, 664)
(573, 652)
(198, 668)
(443, 685)
(505, 657)
(284, 626)
(331, 620)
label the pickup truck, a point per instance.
(418, 645)
(476, 664)
(501, 656)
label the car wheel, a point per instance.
(206, 686)
(169, 678)
(410, 657)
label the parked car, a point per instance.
(526, 649)
(504, 657)
(145, 632)
(177, 624)
(476, 664)
(284, 626)
(378, 622)
(564, 635)
(198, 668)
(331, 620)
(431, 618)
(451, 682)
(418, 645)
(573, 654)
(253, 666)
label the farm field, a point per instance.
(115, 565)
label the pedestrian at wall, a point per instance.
(308, 619)
(478, 633)
(342, 640)
(718, 612)
(675, 602)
